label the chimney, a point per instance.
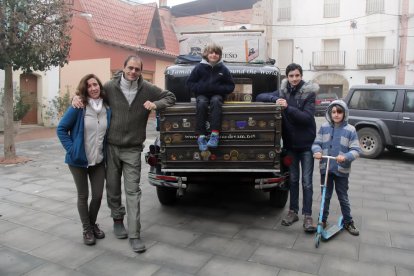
(163, 3)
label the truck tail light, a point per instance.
(152, 160)
(287, 160)
(153, 149)
(166, 178)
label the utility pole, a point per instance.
(403, 31)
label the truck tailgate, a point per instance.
(250, 139)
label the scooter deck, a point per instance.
(334, 229)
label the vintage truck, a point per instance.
(250, 150)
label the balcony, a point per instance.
(324, 60)
(375, 58)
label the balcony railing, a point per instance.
(375, 58)
(328, 59)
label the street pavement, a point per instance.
(212, 230)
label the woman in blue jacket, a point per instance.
(82, 133)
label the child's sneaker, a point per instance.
(202, 143)
(213, 142)
(351, 228)
(308, 224)
(290, 218)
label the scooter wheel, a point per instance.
(317, 240)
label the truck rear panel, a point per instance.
(249, 139)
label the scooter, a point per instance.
(321, 233)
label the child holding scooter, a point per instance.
(339, 139)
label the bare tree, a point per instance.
(34, 35)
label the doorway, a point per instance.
(28, 92)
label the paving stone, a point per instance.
(389, 226)
(404, 272)
(164, 216)
(9, 211)
(4, 192)
(400, 216)
(340, 267)
(182, 259)
(67, 229)
(226, 266)
(111, 264)
(369, 212)
(170, 272)
(285, 272)
(235, 248)
(386, 255)
(331, 247)
(15, 263)
(269, 237)
(21, 199)
(288, 258)
(6, 225)
(25, 239)
(66, 253)
(48, 205)
(403, 241)
(53, 269)
(32, 188)
(375, 237)
(40, 220)
(59, 195)
(213, 227)
(171, 235)
(377, 204)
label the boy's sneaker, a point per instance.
(213, 142)
(351, 228)
(290, 218)
(202, 143)
(308, 224)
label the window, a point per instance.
(331, 8)
(375, 6)
(284, 10)
(377, 80)
(383, 100)
(285, 53)
(409, 102)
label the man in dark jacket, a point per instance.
(298, 133)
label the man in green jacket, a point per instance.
(131, 99)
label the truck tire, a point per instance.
(370, 142)
(166, 196)
(278, 198)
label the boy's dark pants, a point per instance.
(203, 103)
(341, 188)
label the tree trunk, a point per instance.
(9, 147)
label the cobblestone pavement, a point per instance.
(211, 231)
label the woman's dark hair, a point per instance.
(82, 90)
(293, 67)
(212, 48)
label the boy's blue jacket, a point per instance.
(71, 134)
(337, 140)
(210, 80)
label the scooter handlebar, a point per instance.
(328, 157)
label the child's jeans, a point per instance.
(341, 188)
(203, 103)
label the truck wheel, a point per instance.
(370, 142)
(166, 196)
(278, 198)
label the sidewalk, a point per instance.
(215, 230)
(31, 132)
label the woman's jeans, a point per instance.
(341, 188)
(203, 103)
(96, 176)
(302, 160)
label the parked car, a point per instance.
(383, 116)
(322, 102)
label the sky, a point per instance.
(169, 2)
